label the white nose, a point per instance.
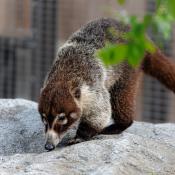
(52, 138)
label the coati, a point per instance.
(80, 88)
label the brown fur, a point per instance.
(56, 99)
(123, 100)
(160, 67)
(80, 84)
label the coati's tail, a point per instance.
(161, 68)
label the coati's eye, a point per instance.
(77, 93)
(61, 119)
(43, 115)
(44, 121)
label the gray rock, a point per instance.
(20, 127)
(142, 149)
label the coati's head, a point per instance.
(59, 109)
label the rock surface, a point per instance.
(142, 149)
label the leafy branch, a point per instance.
(138, 43)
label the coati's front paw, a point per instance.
(75, 141)
(86, 131)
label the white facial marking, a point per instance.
(44, 115)
(74, 115)
(61, 115)
(52, 137)
(64, 121)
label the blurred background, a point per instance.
(31, 30)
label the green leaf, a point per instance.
(120, 53)
(121, 2)
(162, 22)
(137, 42)
(112, 53)
(149, 46)
(171, 7)
(158, 3)
(147, 20)
(135, 54)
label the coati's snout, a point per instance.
(57, 120)
(56, 127)
(59, 110)
(49, 146)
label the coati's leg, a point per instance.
(84, 132)
(96, 118)
(123, 97)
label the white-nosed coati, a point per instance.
(80, 87)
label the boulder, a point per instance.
(144, 148)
